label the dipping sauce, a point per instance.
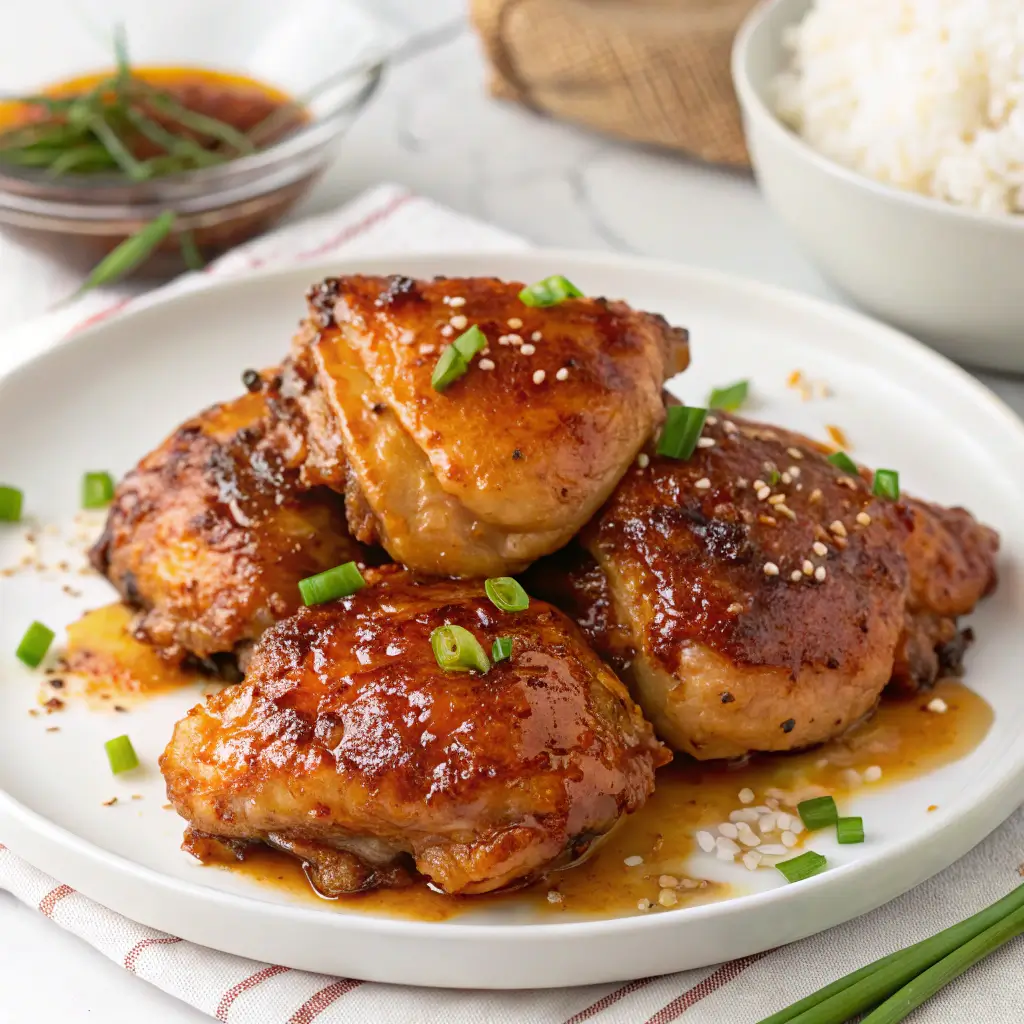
(903, 739)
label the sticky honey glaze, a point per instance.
(903, 739)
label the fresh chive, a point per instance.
(818, 813)
(850, 830)
(501, 649)
(97, 490)
(470, 342)
(683, 426)
(10, 504)
(202, 124)
(101, 128)
(865, 988)
(190, 254)
(729, 398)
(121, 754)
(798, 868)
(550, 292)
(907, 999)
(174, 145)
(507, 594)
(887, 484)
(341, 581)
(34, 644)
(89, 156)
(131, 253)
(843, 461)
(457, 650)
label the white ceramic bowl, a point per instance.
(947, 274)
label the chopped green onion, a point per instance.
(729, 398)
(457, 650)
(450, 367)
(130, 253)
(683, 426)
(774, 476)
(501, 649)
(818, 813)
(549, 292)
(10, 504)
(470, 342)
(843, 461)
(121, 755)
(341, 581)
(190, 253)
(850, 830)
(865, 988)
(799, 868)
(887, 484)
(507, 594)
(34, 644)
(97, 490)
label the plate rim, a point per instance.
(941, 823)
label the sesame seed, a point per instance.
(643, 460)
(702, 484)
(730, 428)
(852, 777)
(536, 336)
(515, 339)
(426, 350)
(847, 482)
(563, 374)
(837, 528)
(767, 520)
(822, 762)
(872, 774)
(785, 510)
(751, 860)
(770, 569)
(735, 608)
(486, 364)
(938, 705)
(668, 897)
(795, 576)
(763, 492)
(796, 826)
(711, 421)
(447, 331)
(815, 495)
(863, 518)
(514, 322)
(554, 896)
(527, 349)
(634, 861)
(783, 820)
(788, 839)
(820, 574)
(819, 549)
(794, 471)
(746, 795)
(807, 567)
(705, 442)
(728, 829)
(668, 881)
(777, 499)
(746, 836)
(774, 850)
(794, 453)
(725, 845)
(456, 301)
(706, 841)
(538, 377)
(767, 824)
(786, 478)
(643, 904)
(459, 322)
(758, 484)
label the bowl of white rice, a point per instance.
(889, 136)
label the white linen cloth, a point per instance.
(235, 990)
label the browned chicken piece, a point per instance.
(348, 746)
(756, 598)
(209, 535)
(511, 459)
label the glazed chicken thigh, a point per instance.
(210, 534)
(757, 598)
(348, 746)
(507, 462)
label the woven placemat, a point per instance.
(654, 71)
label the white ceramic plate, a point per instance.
(109, 394)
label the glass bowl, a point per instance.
(327, 50)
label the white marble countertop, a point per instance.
(433, 127)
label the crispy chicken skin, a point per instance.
(347, 745)
(507, 463)
(209, 534)
(736, 633)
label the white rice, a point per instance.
(926, 95)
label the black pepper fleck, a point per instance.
(517, 454)
(788, 725)
(379, 407)
(57, 683)
(252, 381)
(831, 662)
(727, 698)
